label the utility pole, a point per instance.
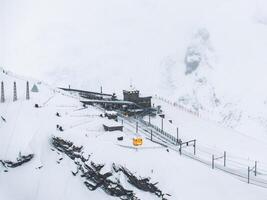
(180, 149)
(162, 123)
(15, 97)
(219, 158)
(194, 147)
(2, 92)
(256, 165)
(27, 91)
(212, 163)
(224, 159)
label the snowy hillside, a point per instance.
(208, 55)
(203, 61)
(29, 130)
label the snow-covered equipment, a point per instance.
(120, 138)
(112, 126)
(137, 141)
(111, 114)
(35, 88)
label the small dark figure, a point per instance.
(167, 150)
(57, 126)
(57, 114)
(101, 115)
(75, 173)
(36, 105)
(4, 120)
(120, 138)
(40, 167)
(61, 129)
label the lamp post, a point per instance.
(162, 117)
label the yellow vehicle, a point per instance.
(137, 141)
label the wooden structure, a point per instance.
(92, 95)
(112, 126)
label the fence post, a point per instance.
(122, 122)
(2, 92)
(212, 163)
(224, 159)
(136, 127)
(194, 147)
(15, 97)
(180, 149)
(27, 91)
(248, 174)
(162, 123)
(149, 119)
(151, 135)
(256, 168)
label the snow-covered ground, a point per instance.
(208, 55)
(29, 130)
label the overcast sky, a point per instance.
(98, 42)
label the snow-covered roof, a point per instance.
(111, 112)
(111, 123)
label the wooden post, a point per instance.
(256, 168)
(224, 159)
(2, 92)
(27, 91)
(212, 163)
(101, 91)
(180, 149)
(151, 135)
(248, 174)
(15, 97)
(149, 119)
(136, 127)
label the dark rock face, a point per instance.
(20, 161)
(192, 60)
(196, 51)
(94, 178)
